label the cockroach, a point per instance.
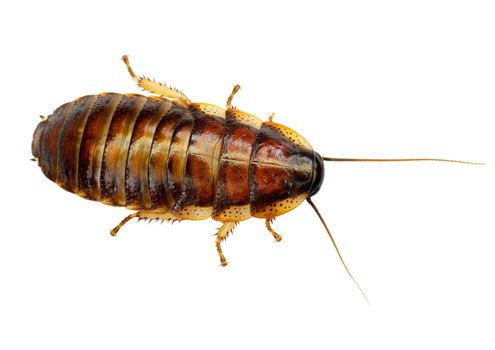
(168, 158)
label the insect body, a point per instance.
(171, 159)
(168, 158)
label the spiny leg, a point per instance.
(116, 229)
(236, 88)
(275, 235)
(145, 215)
(222, 234)
(155, 87)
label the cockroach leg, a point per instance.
(150, 215)
(116, 229)
(270, 117)
(275, 235)
(236, 88)
(155, 87)
(222, 234)
(158, 214)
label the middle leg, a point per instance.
(222, 234)
(236, 88)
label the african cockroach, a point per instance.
(171, 159)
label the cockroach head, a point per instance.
(318, 174)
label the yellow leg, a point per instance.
(155, 87)
(145, 215)
(116, 229)
(222, 234)
(236, 88)
(270, 118)
(275, 235)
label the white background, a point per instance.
(357, 79)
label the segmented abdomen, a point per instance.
(152, 153)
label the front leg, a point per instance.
(275, 235)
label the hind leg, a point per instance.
(145, 215)
(155, 87)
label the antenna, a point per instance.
(331, 159)
(337, 249)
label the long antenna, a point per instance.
(337, 249)
(331, 159)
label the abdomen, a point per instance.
(113, 148)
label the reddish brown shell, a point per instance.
(195, 160)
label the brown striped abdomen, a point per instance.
(152, 153)
(100, 147)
